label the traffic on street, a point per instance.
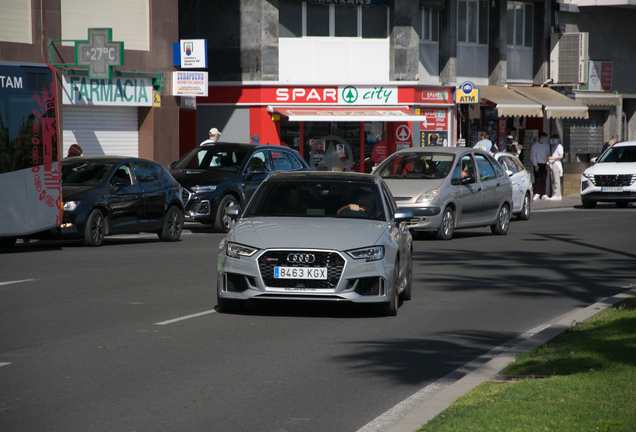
(129, 336)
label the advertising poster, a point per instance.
(431, 138)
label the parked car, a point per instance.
(449, 188)
(217, 176)
(521, 184)
(106, 195)
(612, 178)
(317, 236)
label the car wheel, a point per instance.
(94, 230)
(445, 231)
(588, 204)
(7, 242)
(622, 204)
(390, 308)
(406, 294)
(223, 221)
(503, 221)
(230, 305)
(526, 209)
(172, 225)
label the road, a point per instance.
(125, 337)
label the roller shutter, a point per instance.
(584, 136)
(101, 130)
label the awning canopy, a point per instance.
(348, 114)
(597, 99)
(509, 103)
(556, 105)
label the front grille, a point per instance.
(614, 180)
(236, 282)
(368, 286)
(185, 196)
(330, 260)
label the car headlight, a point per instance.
(236, 250)
(373, 253)
(71, 205)
(200, 189)
(428, 196)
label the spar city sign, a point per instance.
(342, 95)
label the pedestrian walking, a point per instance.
(484, 143)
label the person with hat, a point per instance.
(214, 136)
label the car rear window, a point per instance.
(213, 158)
(415, 165)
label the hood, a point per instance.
(79, 193)
(408, 190)
(194, 177)
(312, 233)
(612, 168)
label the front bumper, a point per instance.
(348, 279)
(199, 207)
(623, 190)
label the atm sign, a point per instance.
(467, 93)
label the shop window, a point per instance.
(304, 19)
(472, 22)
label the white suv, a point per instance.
(612, 178)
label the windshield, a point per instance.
(417, 165)
(84, 173)
(619, 154)
(213, 158)
(317, 198)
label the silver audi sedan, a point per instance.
(329, 236)
(449, 188)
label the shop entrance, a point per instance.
(334, 146)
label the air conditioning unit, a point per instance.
(569, 57)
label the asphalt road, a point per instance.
(125, 337)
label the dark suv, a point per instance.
(217, 176)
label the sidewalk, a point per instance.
(568, 201)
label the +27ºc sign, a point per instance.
(99, 53)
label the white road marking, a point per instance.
(4, 364)
(185, 317)
(14, 282)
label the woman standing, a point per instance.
(556, 168)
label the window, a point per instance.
(520, 24)
(15, 21)
(305, 19)
(472, 22)
(145, 172)
(486, 172)
(428, 29)
(260, 159)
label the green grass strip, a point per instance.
(593, 388)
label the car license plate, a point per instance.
(300, 273)
(611, 189)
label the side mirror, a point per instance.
(468, 180)
(173, 164)
(403, 215)
(510, 173)
(593, 161)
(118, 184)
(233, 211)
(252, 171)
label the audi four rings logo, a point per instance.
(301, 258)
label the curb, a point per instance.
(426, 404)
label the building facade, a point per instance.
(128, 113)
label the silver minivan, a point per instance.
(449, 188)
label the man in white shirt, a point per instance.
(214, 135)
(485, 143)
(539, 153)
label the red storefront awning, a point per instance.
(348, 114)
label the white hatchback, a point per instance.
(521, 184)
(612, 177)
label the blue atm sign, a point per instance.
(467, 93)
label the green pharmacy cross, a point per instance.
(99, 53)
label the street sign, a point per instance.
(99, 53)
